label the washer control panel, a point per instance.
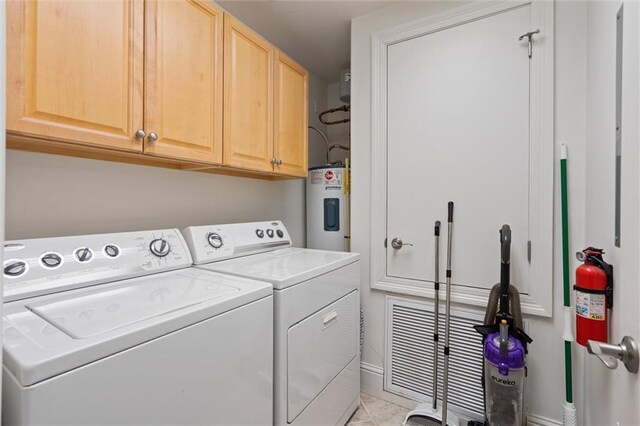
(212, 243)
(49, 265)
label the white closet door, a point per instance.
(458, 130)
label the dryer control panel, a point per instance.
(49, 265)
(212, 243)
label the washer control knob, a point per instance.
(270, 233)
(260, 233)
(51, 260)
(215, 240)
(160, 247)
(14, 268)
(111, 250)
(280, 233)
(83, 254)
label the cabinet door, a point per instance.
(75, 70)
(183, 80)
(290, 117)
(248, 98)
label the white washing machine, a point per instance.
(119, 329)
(316, 312)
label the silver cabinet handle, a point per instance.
(274, 161)
(279, 162)
(397, 243)
(140, 134)
(152, 137)
(626, 351)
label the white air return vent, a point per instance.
(409, 354)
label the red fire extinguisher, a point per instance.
(594, 296)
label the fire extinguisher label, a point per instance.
(591, 306)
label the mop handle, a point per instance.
(436, 286)
(445, 384)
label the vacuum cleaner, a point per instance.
(505, 348)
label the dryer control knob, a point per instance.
(215, 240)
(280, 233)
(260, 233)
(270, 233)
(111, 250)
(51, 260)
(160, 247)
(83, 254)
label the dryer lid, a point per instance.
(285, 267)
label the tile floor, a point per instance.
(377, 412)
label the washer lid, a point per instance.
(53, 334)
(100, 311)
(285, 267)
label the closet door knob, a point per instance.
(152, 137)
(397, 243)
(140, 134)
(274, 161)
(279, 163)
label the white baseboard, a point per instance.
(372, 383)
(535, 420)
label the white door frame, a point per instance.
(3, 115)
(539, 300)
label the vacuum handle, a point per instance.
(505, 243)
(450, 212)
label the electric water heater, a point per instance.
(326, 208)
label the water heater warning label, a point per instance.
(325, 177)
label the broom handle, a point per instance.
(569, 408)
(445, 384)
(436, 286)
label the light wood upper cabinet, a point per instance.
(290, 117)
(183, 79)
(177, 83)
(75, 71)
(248, 98)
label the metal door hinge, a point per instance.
(529, 251)
(529, 37)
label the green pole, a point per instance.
(569, 414)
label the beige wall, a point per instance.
(317, 104)
(50, 195)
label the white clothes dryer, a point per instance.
(119, 329)
(316, 311)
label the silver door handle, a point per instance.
(626, 351)
(152, 137)
(397, 243)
